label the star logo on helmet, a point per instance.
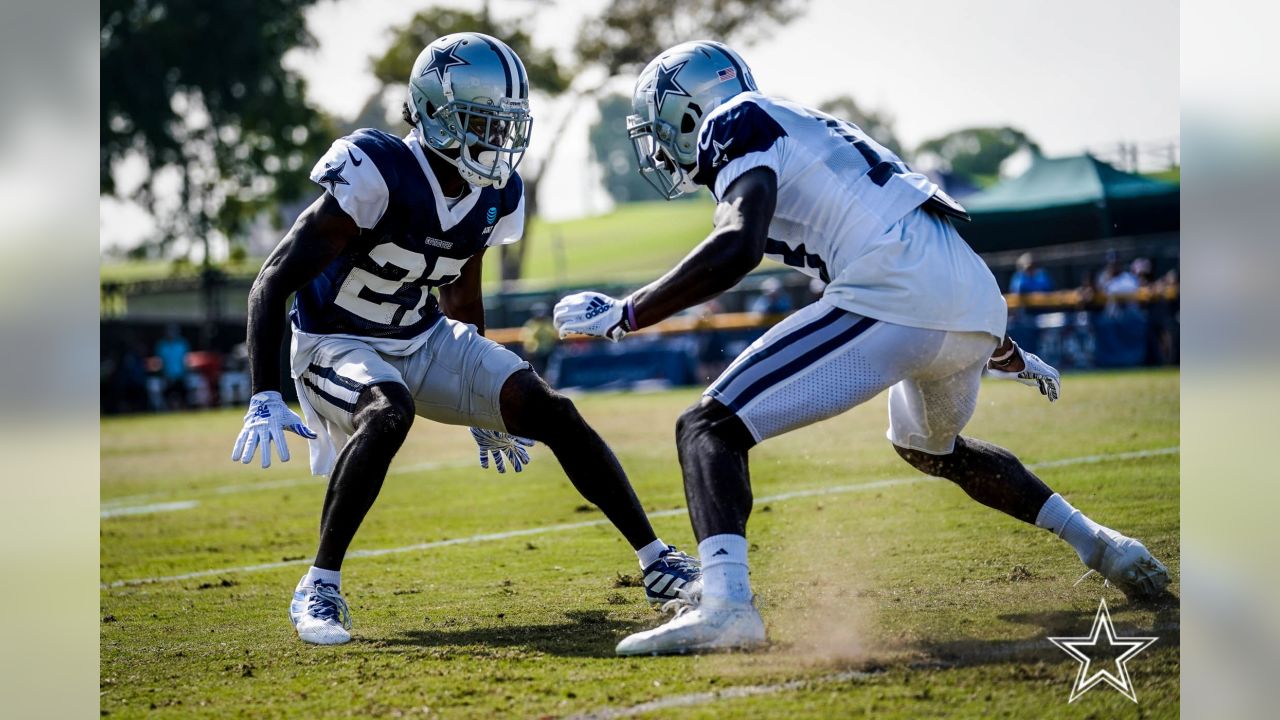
(666, 84)
(441, 60)
(333, 176)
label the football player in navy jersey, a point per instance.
(372, 346)
(908, 307)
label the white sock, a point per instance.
(330, 577)
(1068, 523)
(725, 576)
(650, 553)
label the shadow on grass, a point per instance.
(1058, 623)
(583, 633)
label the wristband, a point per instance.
(629, 316)
(1005, 358)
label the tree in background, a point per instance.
(198, 91)
(611, 150)
(627, 34)
(878, 125)
(975, 154)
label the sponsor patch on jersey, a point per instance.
(726, 74)
(443, 244)
(491, 215)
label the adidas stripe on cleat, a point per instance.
(674, 574)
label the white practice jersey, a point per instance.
(849, 213)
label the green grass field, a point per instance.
(902, 600)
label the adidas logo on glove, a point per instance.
(596, 307)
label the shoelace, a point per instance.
(680, 605)
(328, 604)
(680, 561)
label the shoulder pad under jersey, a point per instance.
(360, 171)
(731, 132)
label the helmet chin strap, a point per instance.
(485, 159)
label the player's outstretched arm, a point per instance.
(462, 299)
(316, 238)
(319, 234)
(733, 249)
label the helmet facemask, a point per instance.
(491, 139)
(654, 141)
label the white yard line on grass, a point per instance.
(563, 527)
(148, 509)
(701, 698)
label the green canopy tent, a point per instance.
(1068, 199)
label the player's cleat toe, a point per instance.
(1127, 564)
(700, 628)
(320, 614)
(673, 575)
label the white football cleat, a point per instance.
(700, 628)
(320, 614)
(1127, 564)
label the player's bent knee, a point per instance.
(386, 409)
(710, 418)
(558, 412)
(935, 465)
(530, 408)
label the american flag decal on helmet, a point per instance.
(726, 74)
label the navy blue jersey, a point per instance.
(410, 242)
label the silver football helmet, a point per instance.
(672, 96)
(470, 91)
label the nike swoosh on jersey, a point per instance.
(354, 160)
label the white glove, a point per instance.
(1035, 372)
(499, 444)
(265, 423)
(592, 313)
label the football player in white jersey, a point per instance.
(908, 307)
(373, 347)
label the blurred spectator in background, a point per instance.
(1143, 272)
(131, 379)
(172, 351)
(1115, 279)
(771, 301)
(233, 384)
(538, 337)
(1029, 277)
